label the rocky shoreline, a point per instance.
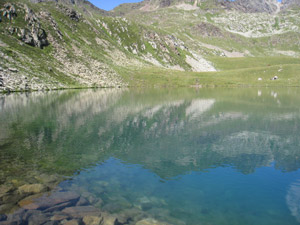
(49, 204)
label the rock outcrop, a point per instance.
(254, 6)
(33, 35)
(290, 3)
(9, 11)
(72, 14)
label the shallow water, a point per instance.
(179, 156)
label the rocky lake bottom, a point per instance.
(157, 156)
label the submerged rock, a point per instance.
(150, 221)
(32, 189)
(82, 201)
(36, 217)
(59, 217)
(81, 211)
(71, 222)
(45, 202)
(4, 189)
(92, 220)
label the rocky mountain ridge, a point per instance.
(269, 6)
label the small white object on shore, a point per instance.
(274, 78)
(259, 79)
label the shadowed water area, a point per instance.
(158, 156)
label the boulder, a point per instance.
(59, 207)
(34, 35)
(4, 189)
(45, 202)
(82, 211)
(71, 222)
(59, 217)
(82, 201)
(36, 217)
(13, 70)
(9, 11)
(32, 189)
(72, 14)
(150, 221)
(92, 220)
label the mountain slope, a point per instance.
(49, 44)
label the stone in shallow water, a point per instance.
(16, 218)
(4, 189)
(92, 220)
(51, 223)
(59, 207)
(32, 189)
(71, 222)
(82, 201)
(46, 178)
(150, 221)
(59, 217)
(81, 211)
(37, 217)
(52, 200)
(133, 214)
(109, 219)
(27, 202)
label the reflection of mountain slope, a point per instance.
(293, 200)
(167, 132)
(198, 107)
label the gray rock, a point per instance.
(35, 36)
(46, 202)
(15, 218)
(13, 70)
(58, 216)
(72, 222)
(92, 220)
(32, 188)
(52, 223)
(4, 189)
(9, 11)
(82, 201)
(59, 207)
(34, 217)
(81, 211)
(72, 14)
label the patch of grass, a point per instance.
(223, 63)
(242, 74)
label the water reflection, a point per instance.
(164, 135)
(293, 199)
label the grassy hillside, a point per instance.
(52, 45)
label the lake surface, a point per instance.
(159, 156)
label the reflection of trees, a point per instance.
(167, 132)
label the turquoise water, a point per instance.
(179, 156)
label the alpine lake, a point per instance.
(209, 156)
